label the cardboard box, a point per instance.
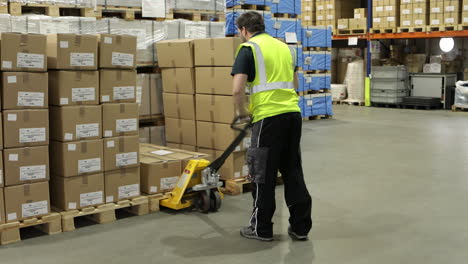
(23, 52)
(214, 135)
(26, 128)
(175, 53)
(26, 165)
(158, 176)
(143, 97)
(379, 11)
(436, 7)
(178, 80)
(393, 21)
(144, 133)
(122, 184)
(179, 106)
(72, 52)
(117, 51)
(2, 207)
(452, 6)
(76, 158)
(377, 22)
(465, 6)
(343, 23)
(407, 2)
(181, 131)
(215, 108)
(358, 23)
(452, 18)
(406, 10)
(213, 80)
(436, 19)
(330, 15)
(420, 8)
(360, 13)
(406, 21)
(75, 122)
(120, 119)
(234, 167)
(182, 147)
(216, 51)
(121, 152)
(117, 86)
(392, 10)
(24, 90)
(420, 20)
(74, 88)
(77, 192)
(158, 135)
(465, 17)
(26, 201)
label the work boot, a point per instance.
(295, 236)
(249, 232)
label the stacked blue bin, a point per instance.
(278, 27)
(292, 7)
(233, 14)
(316, 60)
(316, 104)
(317, 36)
(232, 3)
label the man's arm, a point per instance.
(238, 92)
(296, 81)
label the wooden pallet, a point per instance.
(236, 186)
(49, 224)
(411, 29)
(357, 31)
(463, 27)
(278, 15)
(314, 71)
(456, 108)
(154, 200)
(127, 13)
(313, 92)
(317, 49)
(250, 7)
(344, 102)
(18, 9)
(105, 213)
(196, 15)
(444, 28)
(317, 117)
(383, 30)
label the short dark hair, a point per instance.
(252, 21)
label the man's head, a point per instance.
(250, 23)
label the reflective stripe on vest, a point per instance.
(264, 86)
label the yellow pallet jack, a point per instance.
(199, 184)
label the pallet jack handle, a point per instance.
(243, 129)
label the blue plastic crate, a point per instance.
(316, 60)
(317, 81)
(301, 83)
(316, 36)
(286, 7)
(307, 103)
(280, 26)
(231, 3)
(321, 104)
(232, 15)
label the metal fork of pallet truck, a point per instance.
(199, 183)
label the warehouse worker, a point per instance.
(267, 67)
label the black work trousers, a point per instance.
(275, 147)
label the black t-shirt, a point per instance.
(244, 64)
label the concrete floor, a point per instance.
(389, 186)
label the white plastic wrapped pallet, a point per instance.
(461, 94)
(355, 81)
(338, 91)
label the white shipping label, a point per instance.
(139, 92)
(465, 20)
(390, 19)
(13, 157)
(237, 174)
(449, 20)
(68, 136)
(110, 143)
(11, 79)
(406, 22)
(309, 102)
(109, 199)
(357, 16)
(71, 147)
(105, 98)
(435, 22)
(161, 152)
(29, 60)
(124, 159)
(81, 59)
(12, 117)
(320, 7)
(406, 11)
(35, 208)
(388, 8)
(27, 135)
(169, 182)
(307, 18)
(308, 8)
(435, 10)
(107, 40)
(245, 170)
(418, 10)
(341, 26)
(153, 189)
(377, 19)
(63, 101)
(12, 216)
(89, 165)
(64, 44)
(108, 133)
(122, 59)
(129, 191)
(319, 18)
(329, 6)
(92, 198)
(83, 94)
(71, 205)
(465, 7)
(30, 99)
(418, 22)
(449, 8)
(125, 125)
(330, 17)
(6, 64)
(32, 172)
(379, 8)
(124, 92)
(87, 130)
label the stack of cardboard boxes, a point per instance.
(25, 127)
(386, 13)
(420, 13)
(198, 105)
(359, 21)
(329, 11)
(452, 12)
(308, 12)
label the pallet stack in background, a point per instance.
(386, 16)
(308, 14)
(25, 126)
(355, 25)
(328, 12)
(198, 102)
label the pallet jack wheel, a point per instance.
(204, 203)
(215, 200)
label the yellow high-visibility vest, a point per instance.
(272, 92)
